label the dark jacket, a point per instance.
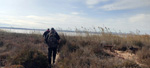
(57, 36)
(45, 34)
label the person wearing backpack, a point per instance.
(53, 41)
(45, 35)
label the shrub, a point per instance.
(72, 47)
(138, 43)
(127, 64)
(1, 43)
(3, 59)
(144, 56)
(121, 48)
(31, 59)
(15, 66)
(100, 53)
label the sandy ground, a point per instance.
(126, 55)
(129, 56)
(57, 56)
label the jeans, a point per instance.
(50, 51)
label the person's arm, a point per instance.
(58, 40)
(44, 34)
(58, 37)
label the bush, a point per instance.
(138, 43)
(15, 66)
(1, 43)
(144, 56)
(3, 59)
(31, 59)
(130, 64)
(72, 47)
(100, 53)
(121, 48)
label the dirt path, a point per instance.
(129, 56)
(126, 56)
(57, 57)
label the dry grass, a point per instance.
(87, 52)
(75, 51)
(144, 56)
(16, 48)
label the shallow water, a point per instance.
(40, 32)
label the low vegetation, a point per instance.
(30, 51)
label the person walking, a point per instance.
(53, 40)
(45, 35)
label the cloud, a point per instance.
(142, 21)
(65, 21)
(53, 20)
(75, 13)
(130, 23)
(140, 18)
(14, 22)
(94, 2)
(91, 3)
(126, 4)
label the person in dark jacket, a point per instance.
(52, 47)
(45, 35)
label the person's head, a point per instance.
(48, 29)
(52, 30)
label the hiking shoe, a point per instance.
(53, 62)
(49, 66)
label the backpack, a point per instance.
(52, 40)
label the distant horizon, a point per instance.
(72, 31)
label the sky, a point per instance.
(118, 15)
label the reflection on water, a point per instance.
(23, 31)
